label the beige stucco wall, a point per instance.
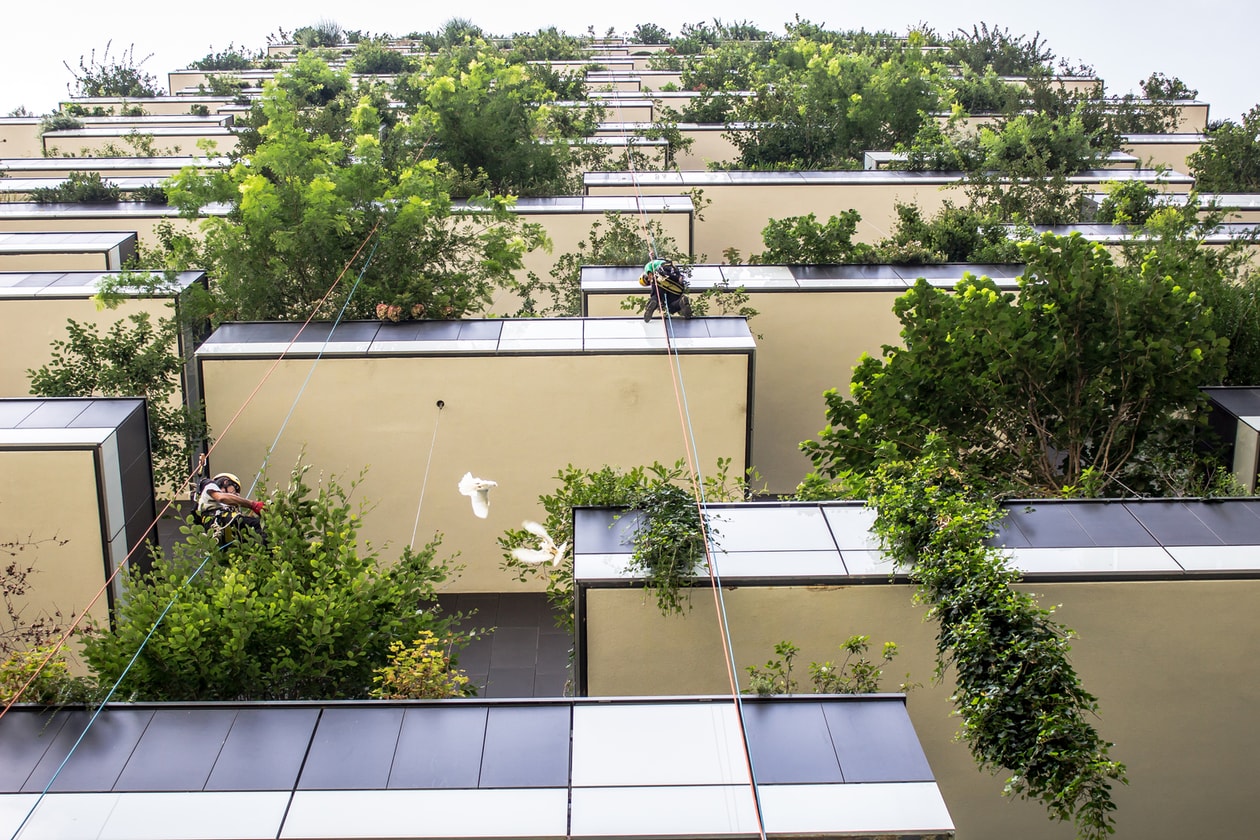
(1174, 156)
(179, 141)
(807, 342)
(740, 211)
(95, 261)
(514, 419)
(1170, 663)
(49, 499)
(19, 137)
(30, 325)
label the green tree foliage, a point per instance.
(1229, 160)
(854, 674)
(308, 615)
(79, 188)
(803, 240)
(996, 49)
(1086, 375)
(548, 44)
(139, 359)
(954, 234)
(650, 33)
(820, 106)
(123, 76)
(490, 120)
(376, 57)
(1022, 705)
(304, 203)
(231, 58)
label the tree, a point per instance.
(1229, 160)
(139, 360)
(307, 614)
(490, 120)
(803, 240)
(306, 207)
(1084, 377)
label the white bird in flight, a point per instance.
(477, 489)
(547, 548)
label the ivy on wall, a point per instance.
(1022, 705)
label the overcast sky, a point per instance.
(1209, 44)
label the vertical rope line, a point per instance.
(428, 464)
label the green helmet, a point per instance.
(653, 266)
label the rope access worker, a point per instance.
(221, 507)
(666, 284)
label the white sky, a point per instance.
(1207, 43)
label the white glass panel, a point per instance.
(1207, 558)
(865, 563)
(538, 812)
(659, 744)
(1093, 559)
(852, 526)
(772, 529)
(715, 811)
(768, 564)
(741, 273)
(866, 809)
(58, 815)
(541, 328)
(197, 816)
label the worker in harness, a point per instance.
(221, 507)
(666, 286)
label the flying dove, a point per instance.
(547, 549)
(477, 489)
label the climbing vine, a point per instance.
(1022, 705)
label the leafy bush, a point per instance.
(324, 33)
(422, 670)
(121, 77)
(231, 58)
(376, 58)
(79, 188)
(855, 674)
(650, 33)
(802, 240)
(1229, 160)
(307, 614)
(43, 676)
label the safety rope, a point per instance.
(697, 487)
(428, 463)
(142, 541)
(105, 701)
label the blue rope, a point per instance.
(311, 372)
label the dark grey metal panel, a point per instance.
(790, 743)
(1172, 523)
(177, 751)
(526, 746)
(269, 332)
(688, 328)
(419, 331)
(726, 327)
(1236, 522)
(264, 749)
(440, 747)
(54, 414)
(480, 330)
(876, 742)
(1008, 534)
(1110, 525)
(1047, 525)
(106, 414)
(352, 749)
(1240, 402)
(25, 735)
(99, 757)
(596, 531)
(320, 331)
